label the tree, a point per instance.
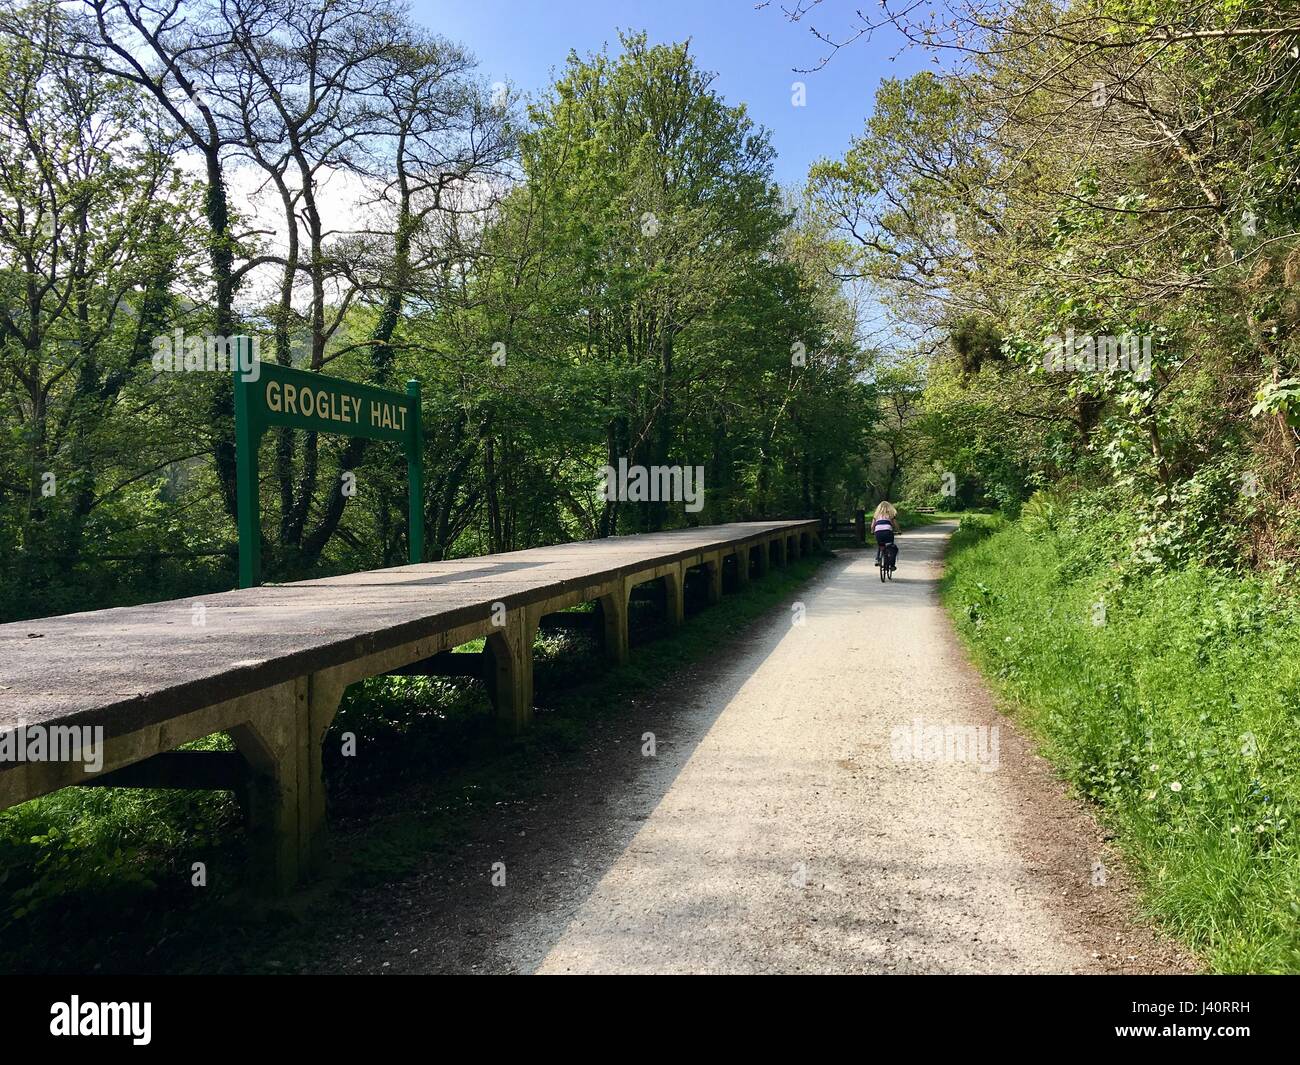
(657, 198)
(93, 241)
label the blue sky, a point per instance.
(753, 52)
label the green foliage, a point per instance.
(1041, 514)
(639, 289)
(975, 341)
(1169, 700)
(1027, 196)
(119, 847)
(1279, 397)
(1200, 520)
(689, 312)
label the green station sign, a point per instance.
(270, 395)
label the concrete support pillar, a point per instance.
(324, 693)
(509, 669)
(285, 799)
(674, 595)
(763, 553)
(742, 567)
(614, 608)
(713, 567)
(278, 805)
(778, 550)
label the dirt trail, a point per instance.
(789, 823)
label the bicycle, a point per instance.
(888, 562)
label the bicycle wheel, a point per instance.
(884, 565)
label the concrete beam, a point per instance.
(183, 770)
(444, 664)
(569, 621)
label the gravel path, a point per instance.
(794, 818)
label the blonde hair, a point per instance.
(885, 510)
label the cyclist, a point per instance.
(885, 526)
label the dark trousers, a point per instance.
(882, 538)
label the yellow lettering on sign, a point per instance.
(309, 401)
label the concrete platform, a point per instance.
(269, 664)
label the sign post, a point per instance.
(274, 395)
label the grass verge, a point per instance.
(1170, 700)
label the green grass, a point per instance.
(1173, 706)
(101, 878)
